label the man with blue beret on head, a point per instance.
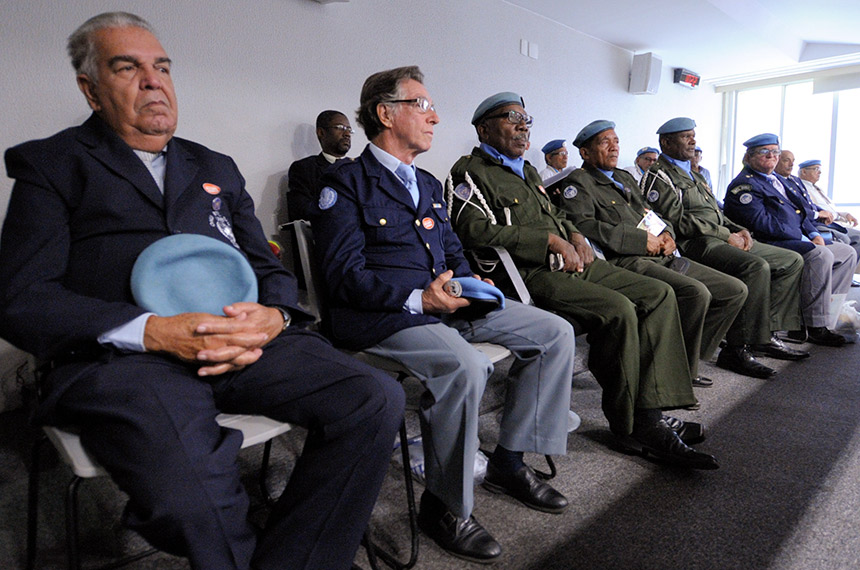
(645, 157)
(696, 163)
(759, 199)
(605, 204)
(842, 225)
(555, 155)
(636, 347)
(390, 258)
(772, 275)
(142, 377)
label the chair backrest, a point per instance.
(306, 264)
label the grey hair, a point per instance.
(81, 46)
(379, 88)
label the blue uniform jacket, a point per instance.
(376, 248)
(754, 203)
(84, 206)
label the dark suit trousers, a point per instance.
(150, 421)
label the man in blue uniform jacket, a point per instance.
(388, 251)
(759, 200)
(145, 389)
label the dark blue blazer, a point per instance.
(375, 248)
(303, 181)
(754, 203)
(84, 206)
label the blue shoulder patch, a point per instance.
(327, 198)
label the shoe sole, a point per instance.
(499, 490)
(761, 376)
(781, 356)
(633, 447)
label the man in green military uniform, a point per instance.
(634, 331)
(605, 204)
(772, 274)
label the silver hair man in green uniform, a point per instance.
(772, 274)
(634, 331)
(605, 204)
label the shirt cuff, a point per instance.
(128, 336)
(413, 303)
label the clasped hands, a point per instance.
(219, 343)
(575, 251)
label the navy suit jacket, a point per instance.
(303, 181)
(376, 248)
(753, 202)
(84, 206)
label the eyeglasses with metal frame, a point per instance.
(767, 152)
(514, 117)
(421, 103)
(344, 128)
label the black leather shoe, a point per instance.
(663, 443)
(464, 538)
(777, 349)
(824, 336)
(702, 382)
(739, 359)
(690, 433)
(526, 487)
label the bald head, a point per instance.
(785, 164)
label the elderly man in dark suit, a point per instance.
(335, 135)
(389, 252)
(145, 389)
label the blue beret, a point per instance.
(676, 125)
(496, 101)
(761, 140)
(552, 145)
(191, 273)
(591, 129)
(698, 149)
(808, 163)
(645, 149)
(483, 297)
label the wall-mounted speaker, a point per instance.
(645, 74)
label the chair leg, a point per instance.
(33, 503)
(372, 550)
(72, 552)
(264, 469)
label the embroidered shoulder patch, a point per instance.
(570, 192)
(463, 191)
(745, 198)
(327, 198)
(653, 196)
(741, 188)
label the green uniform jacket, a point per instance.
(603, 212)
(688, 205)
(532, 216)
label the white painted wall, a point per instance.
(251, 76)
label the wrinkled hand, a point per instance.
(654, 244)
(583, 249)
(667, 244)
(484, 279)
(434, 299)
(825, 217)
(818, 240)
(572, 261)
(741, 240)
(229, 343)
(849, 218)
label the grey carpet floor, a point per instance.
(785, 496)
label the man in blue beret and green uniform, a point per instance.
(634, 330)
(605, 204)
(645, 157)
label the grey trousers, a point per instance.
(455, 374)
(827, 270)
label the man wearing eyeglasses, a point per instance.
(758, 199)
(555, 155)
(335, 136)
(703, 233)
(389, 253)
(645, 157)
(636, 347)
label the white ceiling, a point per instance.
(717, 38)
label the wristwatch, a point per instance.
(286, 315)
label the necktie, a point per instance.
(776, 184)
(406, 173)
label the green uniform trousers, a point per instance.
(772, 275)
(708, 301)
(636, 348)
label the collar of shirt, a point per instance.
(611, 175)
(156, 163)
(682, 164)
(387, 160)
(330, 157)
(515, 164)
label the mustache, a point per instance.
(520, 137)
